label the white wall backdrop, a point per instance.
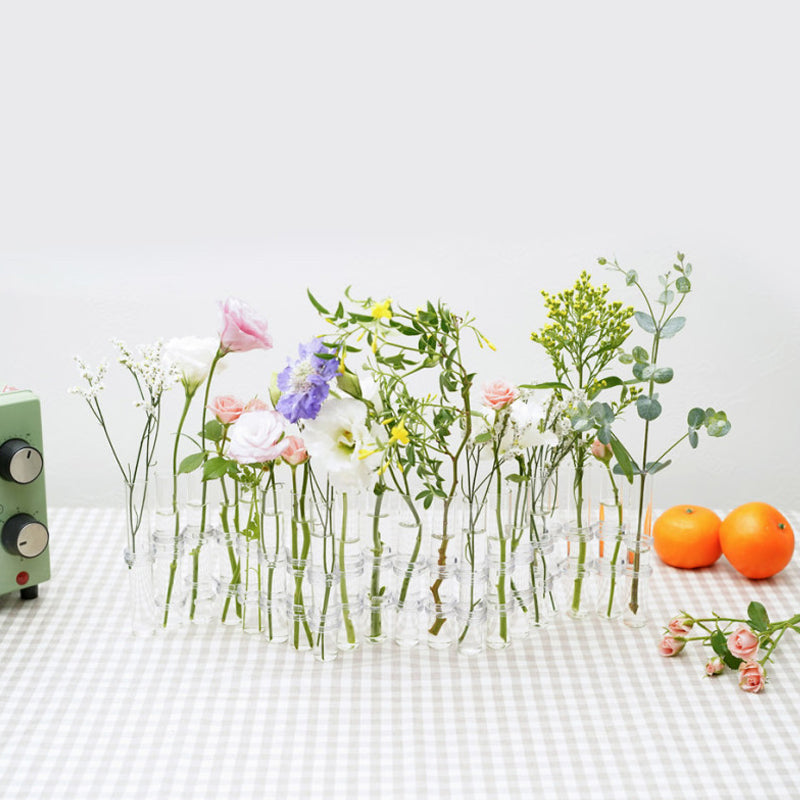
(158, 157)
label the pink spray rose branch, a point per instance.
(227, 408)
(296, 455)
(735, 642)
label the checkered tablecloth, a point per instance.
(579, 709)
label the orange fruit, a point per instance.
(687, 537)
(757, 539)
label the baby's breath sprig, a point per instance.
(153, 375)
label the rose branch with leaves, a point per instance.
(735, 642)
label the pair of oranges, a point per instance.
(756, 538)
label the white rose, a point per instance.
(258, 437)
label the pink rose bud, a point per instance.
(242, 328)
(295, 452)
(670, 646)
(680, 625)
(226, 408)
(499, 394)
(8, 388)
(714, 666)
(751, 676)
(743, 643)
(256, 404)
(602, 452)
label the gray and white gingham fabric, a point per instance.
(580, 709)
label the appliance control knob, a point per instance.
(23, 535)
(20, 462)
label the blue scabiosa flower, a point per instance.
(304, 383)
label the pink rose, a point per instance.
(256, 404)
(680, 625)
(295, 452)
(743, 643)
(714, 666)
(751, 676)
(242, 328)
(226, 408)
(257, 437)
(670, 646)
(602, 452)
(8, 388)
(499, 394)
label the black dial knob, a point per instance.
(20, 462)
(23, 535)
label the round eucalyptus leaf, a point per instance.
(602, 413)
(718, 424)
(696, 417)
(672, 326)
(683, 285)
(646, 322)
(640, 355)
(648, 408)
(639, 370)
(666, 297)
(693, 438)
(626, 358)
(687, 270)
(663, 374)
(631, 277)
(604, 434)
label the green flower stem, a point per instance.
(346, 618)
(409, 571)
(470, 548)
(501, 576)
(375, 580)
(582, 547)
(441, 563)
(217, 356)
(618, 542)
(322, 639)
(328, 565)
(232, 557)
(174, 563)
(298, 513)
(272, 562)
(466, 385)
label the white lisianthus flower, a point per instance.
(192, 357)
(258, 437)
(340, 442)
(526, 417)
